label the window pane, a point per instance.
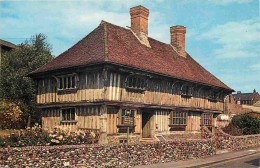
(142, 83)
(73, 82)
(69, 84)
(130, 80)
(138, 81)
(72, 114)
(63, 115)
(134, 82)
(61, 83)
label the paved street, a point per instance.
(245, 162)
(236, 159)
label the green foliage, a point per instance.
(248, 123)
(15, 86)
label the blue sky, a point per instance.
(222, 35)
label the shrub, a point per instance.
(36, 136)
(247, 123)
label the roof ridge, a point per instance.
(105, 39)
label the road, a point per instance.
(244, 162)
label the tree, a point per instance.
(15, 86)
(248, 123)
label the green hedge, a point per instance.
(247, 123)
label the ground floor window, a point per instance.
(206, 119)
(179, 118)
(68, 114)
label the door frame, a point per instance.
(150, 116)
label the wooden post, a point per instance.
(103, 125)
(127, 135)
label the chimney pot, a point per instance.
(178, 39)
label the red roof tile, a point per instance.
(124, 48)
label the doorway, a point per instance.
(146, 124)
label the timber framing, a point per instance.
(127, 104)
(109, 82)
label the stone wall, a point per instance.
(113, 139)
(105, 156)
(182, 136)
(226, 141)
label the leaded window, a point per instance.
(206, 119)
(135, 82)
(68, 114)
(179, 118)
(186, 90)
(67, 82)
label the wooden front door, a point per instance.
(146, 124)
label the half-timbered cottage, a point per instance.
(117, 78)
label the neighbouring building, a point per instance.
(117, 78)
(246, 98)
(240, 103)
(5, 46)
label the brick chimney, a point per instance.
(178, 39)
(139, 23)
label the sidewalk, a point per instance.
(206, 161)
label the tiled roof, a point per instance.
(7, 44)
(244, 96)
(111, 43)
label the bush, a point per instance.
(36, 136)
(233, 130)
(247, 123)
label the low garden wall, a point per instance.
(120, 155)
(226, 141)
(105, 155)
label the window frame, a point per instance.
(70, 110)
(67, 82)
(135, 83)
(186, 90)
(208, 121)
(178, 118)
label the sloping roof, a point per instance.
(7, 44)
(111, 43)
(244, 96)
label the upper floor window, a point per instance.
(135, 82)
(212, 95)
(186, 90)
(67, 82)
(68, 114)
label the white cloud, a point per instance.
(236, 39)
(255, 66)
(67, 22)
